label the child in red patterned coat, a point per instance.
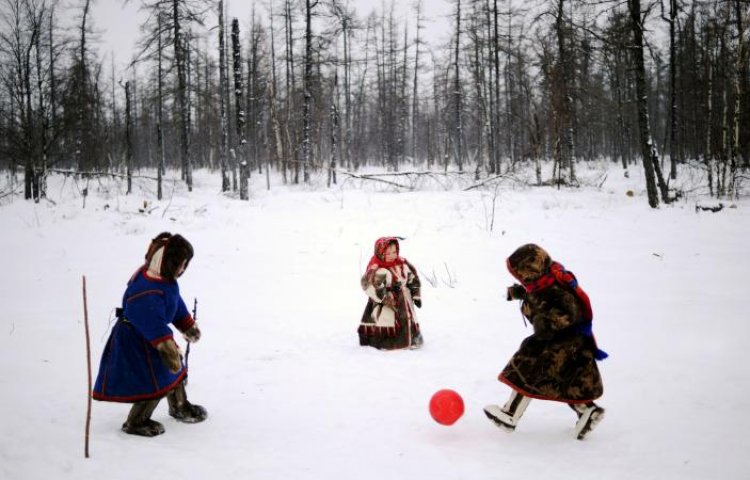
(391, 283)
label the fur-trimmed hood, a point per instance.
(528, 263)
(165, 255)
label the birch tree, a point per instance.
(161, 166)
(458, 133)
(223, 88)
(307, 89)
(240, 111)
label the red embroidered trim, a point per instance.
(143, 294)
(159, 340)
(523, 392)
(145, 396)
(184, 323)
(155, 279)
(375, 331)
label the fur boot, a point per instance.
(508, 416)
(181, 409)
(589, 416)
(139, 420)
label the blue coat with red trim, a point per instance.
(131, 369)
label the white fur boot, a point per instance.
(507, 417)
(589, 417)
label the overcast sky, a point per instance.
(118, 24)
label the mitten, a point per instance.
(192, 334)
(170, 355)
(516, 292)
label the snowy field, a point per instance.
(290, 393)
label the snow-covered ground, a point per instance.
(290, 393)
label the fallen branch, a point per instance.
(601, 184)
(715, 209)
(75, 173)
(10, 192)
(370, 177)
(415, 174)
(488, 180)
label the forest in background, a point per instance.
(315, 86)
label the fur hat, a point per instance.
(165, 255)
(528, 263)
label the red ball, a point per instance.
(446, 406)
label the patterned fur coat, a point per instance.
(389, 321)
(557, 362)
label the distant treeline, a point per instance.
(311, 85)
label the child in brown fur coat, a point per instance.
(558, 361)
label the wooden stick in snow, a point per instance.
(88, 363)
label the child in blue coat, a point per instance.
(141, 362)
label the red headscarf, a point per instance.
(558, 274)
(378, 258)
(534, 268)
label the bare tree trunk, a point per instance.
(386, 94)
(361, 95)
(479, 89)
(115, 122)
(708, 156)
(161, 167)
(566, 116)
(42, 116)
(334, 133)
(344, 16)
(31, 123)
(291, 135)
(738, 93)
(403, 103)
(725, 144)
(457, 92)
(128, 138)
(279, 146)
(223, 102)
(307, 87)
(240, 109)
(52, 92)
(673, 149)
(491, 44)
(644, 128)
(180, 60)
(83, 89)
(622, 134)
(415, 85)
(509, 93)
(496, 112)
(34, 125)
(278, 155)
(253, 99)
(206, 105)
(187, 40)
